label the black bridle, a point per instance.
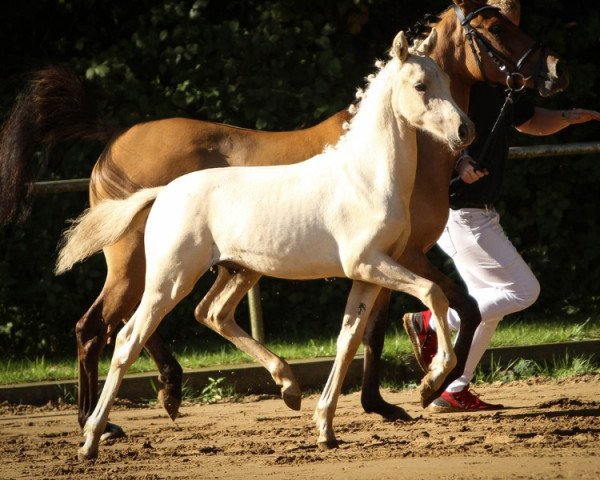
(515, 80)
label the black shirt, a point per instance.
(485, 102)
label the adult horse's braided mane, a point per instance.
(422, 27)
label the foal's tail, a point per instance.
(100, 226)
(53, 108)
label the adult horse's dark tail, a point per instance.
(53, 108)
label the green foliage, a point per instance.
(275, 64)
(212, 392)
(551, 206)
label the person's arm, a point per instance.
(466, 169)
(547, 122)
(543, 122)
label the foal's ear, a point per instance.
(400, 47)
(427, 45)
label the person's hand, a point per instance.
(579, 115)
(465, 167)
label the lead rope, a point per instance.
(457, 183)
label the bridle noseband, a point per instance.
(514, 78)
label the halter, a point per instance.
(514, 78)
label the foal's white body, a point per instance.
(309, 220)
(344, 212)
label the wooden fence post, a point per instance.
(256, 317)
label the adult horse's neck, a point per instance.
(451, 55)
(430, 202)
(380, 145)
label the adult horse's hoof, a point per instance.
(389, 412)
(328, 445)
(83, 455)
(373, 402)
(170, 403)
(111, 432)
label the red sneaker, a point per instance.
(463, 401)
(423, 338)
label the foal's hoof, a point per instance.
(292, 396)
(111, 432)
(169, 402)
(293, 401)
(428, 391)
(83, 455)
(328, 445)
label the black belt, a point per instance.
(483, 206)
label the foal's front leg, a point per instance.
(358, 308)
(382, 270)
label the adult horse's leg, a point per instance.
(458, 299)
(371, 398)
(467, 309)
(358, 308)
(120, 295)
(216, 311)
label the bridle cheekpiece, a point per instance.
(515, 80)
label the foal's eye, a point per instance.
(420, 87)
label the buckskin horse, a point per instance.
(342, 213)
(483, 47)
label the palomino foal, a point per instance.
(343, 213)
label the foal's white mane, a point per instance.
(376, 95)
(371, 100)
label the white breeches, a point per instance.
(494, 273)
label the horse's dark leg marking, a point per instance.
(465, 306)
(115, 304)
(371, 399)
(468, 311)
(170, 375)
(91, 333)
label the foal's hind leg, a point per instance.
(129, 343)
(120, 295)
(164, 291)
(216, 311)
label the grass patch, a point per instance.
(557, 368)
(511, 332)
(522, 332)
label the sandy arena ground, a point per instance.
(552, 430)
